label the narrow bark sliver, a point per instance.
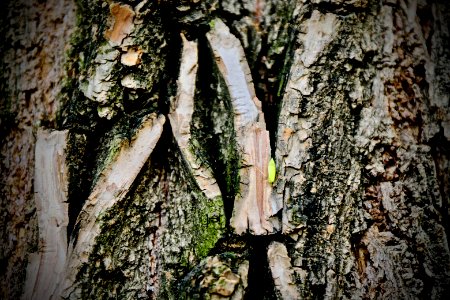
(180, 118)
(112, 187)
(50, 189)
(282, 271)
(254, 208)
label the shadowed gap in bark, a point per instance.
(260, 281)
(212, 126)
(271, 93)
(440, 150)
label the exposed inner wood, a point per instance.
(181, 115)
(132, 57)
(253, 207)
(123, 16)
(112, 187)
(50, 187)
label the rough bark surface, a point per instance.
(35, 36)
(282, 272)
(351, 99)
(113, 185)
(359, 182)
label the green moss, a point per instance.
(208, 220)
(211, 227)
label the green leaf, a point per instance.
(272, 171)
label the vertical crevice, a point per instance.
(213, 127)
(260, 280)
(81, 163)
(271, 83)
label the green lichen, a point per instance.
(108, 155)
(76, 110)
(118, 137)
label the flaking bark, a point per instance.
(181, 117)
(112, 187)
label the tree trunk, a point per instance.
(137, 136)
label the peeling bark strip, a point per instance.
(112, 187)
(282, 272)
(50, 187)
(181, 115)
(254, 207)
(232, 64)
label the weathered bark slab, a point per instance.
(219, 277)
(111, 188)
(253, 208)
(50, 191)
(295, 132)
(282, 272)
(181, 116)
(355, 152)
(132, 37)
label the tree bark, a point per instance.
(137, 135)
